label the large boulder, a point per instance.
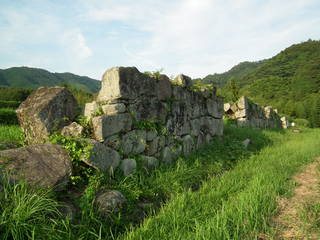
(164, 88)
(46, 110)
(46, 165)
(126, 83)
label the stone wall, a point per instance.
(249, 114)
(137, 117)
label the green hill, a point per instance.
(238, 72)
(289, 81)
(25, 77)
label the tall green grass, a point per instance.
(222, 191)
(11, 135)
(239, 203)
(8, 116)
(26, 212)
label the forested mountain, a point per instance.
(289, 81)
(25, 77)
(237, 72)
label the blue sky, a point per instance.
(194, 37)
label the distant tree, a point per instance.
(233, 89)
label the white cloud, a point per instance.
(75, 43)
(202, 37)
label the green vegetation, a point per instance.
(18, 77)
(8, 116)
(237, 204)
(289, 81)
(11, 135)
(237, 72)
(222, 190)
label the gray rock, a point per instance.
(111, 109)
(91, 109)
(215, 107)
(134, 142)
(46, 110)
(149, 110)
(183, 80)
(100, 156)
(296, 131)
(150, 162)
(208, 138)
(128, 166)
(188, 145)
(164, 88)
(45, 165)
(179, 93)
(105, 126)
(212, 126)
(109, 202)
(126, 83)
(195, 127)
(167, 155)
(151, 135)
(73, 130)
(113, 141)
(246, 143)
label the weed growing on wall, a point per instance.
(77, 149)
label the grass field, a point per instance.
(11, 135)
(222, 191)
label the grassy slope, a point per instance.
(21, 77)
(237, 194)
(239, 203)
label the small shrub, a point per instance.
(302, 122)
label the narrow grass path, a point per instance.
(289, 224)
(238, 204)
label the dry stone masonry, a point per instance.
(140, 120)
(249, 114)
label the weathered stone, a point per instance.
(134, 142)
(183, 80)
(166, 155)
(73, 130)
(113, 141)
(252, 115)
(126, 83)
(150, 162)
(226, 107)
(212, 126)
(152, 134)
(195, 127)
(215, 107)
(91, 109)
(201, 140)
(111, 109)
(152, 147)
(285, 123)
(149, 110)
(45, 165)
(246, 143)
(187, 145)
(101, 157)
(242, 103)
(46, 110)
(109, 202)
(105, 126)
(164, 88)
(208, 138)
(128, 166)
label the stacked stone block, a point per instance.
(249, 114)
(151, 119)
